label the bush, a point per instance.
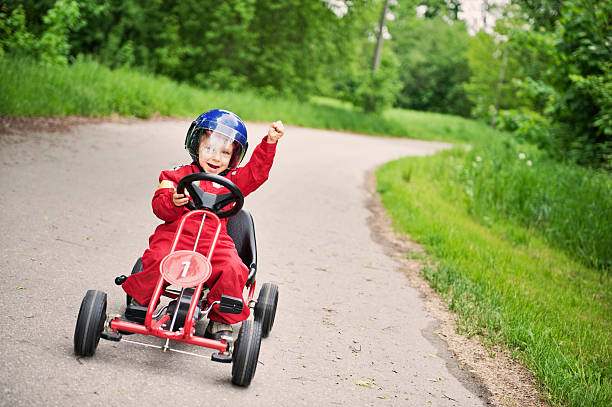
(53, 46)
(373, 92)
(526, 126)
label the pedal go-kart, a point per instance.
(187, 271)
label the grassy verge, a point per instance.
(569, 206)
(86, 88)
(504, 281)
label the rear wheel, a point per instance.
(265, 309)
(90, 323)
(135, 270)
(246, 353)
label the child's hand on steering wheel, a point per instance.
(276, 131)
(179, 199)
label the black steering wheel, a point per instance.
(211, 202)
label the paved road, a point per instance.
(75, 212)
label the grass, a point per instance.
(86, 88)
(505, 281)
(569, 206)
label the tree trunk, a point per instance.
(379, 41)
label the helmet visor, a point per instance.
(219, 128)
(217, 144)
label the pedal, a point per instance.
(221, 358)
(111, 336)
(135, 313)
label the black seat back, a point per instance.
(241, 229)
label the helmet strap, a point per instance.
(195, 162)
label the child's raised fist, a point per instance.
(276, 131)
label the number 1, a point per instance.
(186, 263)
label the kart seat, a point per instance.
(241, 229)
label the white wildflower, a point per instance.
(478, 158)
(522, 156)
(474, 164)
(529, 163)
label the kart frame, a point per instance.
(186, 334)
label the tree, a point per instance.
(433, 65)
(581, 76)
(542, 13)
(50, 43)
(440, 8)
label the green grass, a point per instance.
(86, 88)
(569, 206)
(440, 127)
(506, 282)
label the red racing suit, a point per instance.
(229, 274)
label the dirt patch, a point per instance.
(491, 371)
(12, 125)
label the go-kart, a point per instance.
(186, 272)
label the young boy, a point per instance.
(217, 142)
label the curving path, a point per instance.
(350, 330)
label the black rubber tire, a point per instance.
(90, 323)
(135, 270)
(246, 353)
(265, 309)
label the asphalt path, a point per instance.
(349, 330)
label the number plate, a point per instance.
(184, 268)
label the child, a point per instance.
(217, 142)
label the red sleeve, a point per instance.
(256, 171)
(163, 206)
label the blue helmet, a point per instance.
(223, 122)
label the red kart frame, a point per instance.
(187, 333)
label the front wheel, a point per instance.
(265, 309)
(246, 353)
(90, 323)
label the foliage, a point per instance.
(542, 13)
(278, 48)
(62, 18)
(439, 8)
(15, 38)
(565, 85)
(433, 66)
(52, 46)
(526, 125)
(498, 68)
(580, 74)
(375, 91)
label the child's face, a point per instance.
(215, 153)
